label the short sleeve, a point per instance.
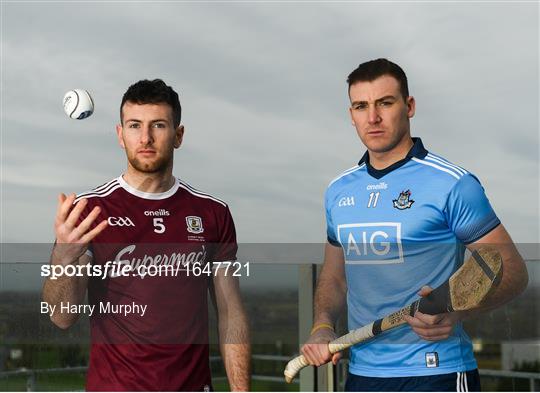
(330, 229)
(468, 211)
(227, 247)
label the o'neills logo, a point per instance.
(157, 213)
(381, 186)
(174, 259)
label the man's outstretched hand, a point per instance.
(71, 239)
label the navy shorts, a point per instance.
(454, 382)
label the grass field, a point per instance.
(51, 382)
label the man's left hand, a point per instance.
(432, 327)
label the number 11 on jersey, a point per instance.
(373, 199)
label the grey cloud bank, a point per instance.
(264, 98)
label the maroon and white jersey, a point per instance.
(165, 345)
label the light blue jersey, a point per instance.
(402, 228)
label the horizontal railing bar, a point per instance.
(270, 378)
(483, 372)
(508, 374)
(44, 371)
(279, 358)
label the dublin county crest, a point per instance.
(403, 202)
(194, 224)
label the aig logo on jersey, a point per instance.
(194, 224)
(120, 222)
(371, 243)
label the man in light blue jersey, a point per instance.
(398, 224)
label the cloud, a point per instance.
(264, 97)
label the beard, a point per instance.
(160, 164)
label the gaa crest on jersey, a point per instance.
(403, 201)
(194, 224)
(120, 222)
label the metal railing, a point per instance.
(532, 377)
(256, 377)
(32, 374)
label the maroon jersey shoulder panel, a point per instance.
(192, 215)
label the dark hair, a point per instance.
(371, 70)
(153, 92)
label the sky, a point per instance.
(264, 98)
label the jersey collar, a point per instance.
(417, 150)
(148, 195)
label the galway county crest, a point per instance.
(194, 224)
(403, 201)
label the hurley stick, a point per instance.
(464, 290)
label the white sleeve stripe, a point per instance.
(200, 194)
(99, 188)
(439, 162)
(199, 191)
(103, 189)
(446, 163)
(347, 172)
(97, 195)
(437, 167)
(104, 185)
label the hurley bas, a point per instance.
(104, 308)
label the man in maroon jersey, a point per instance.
(150, 243)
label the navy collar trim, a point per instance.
(417, 150)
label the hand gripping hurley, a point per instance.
(465, 290)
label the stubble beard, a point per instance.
(159, 165)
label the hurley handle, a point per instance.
(437, 302)
(467, 288)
